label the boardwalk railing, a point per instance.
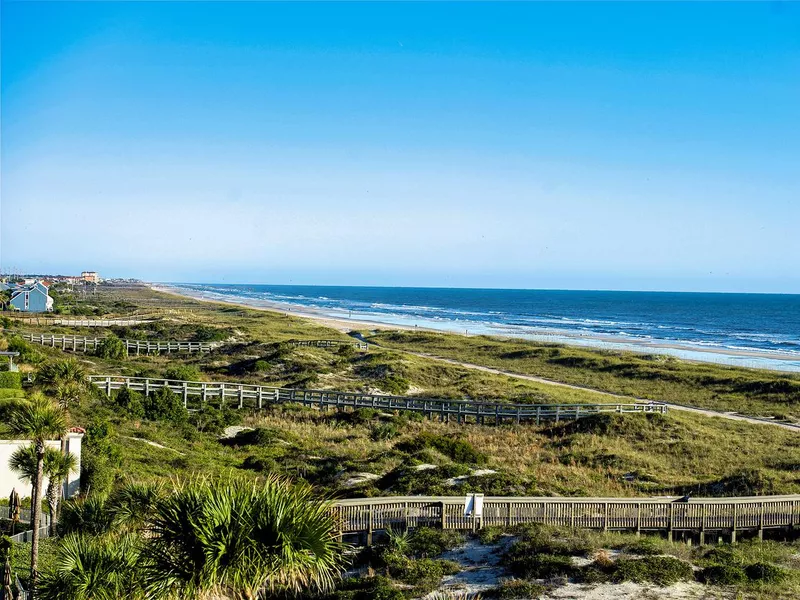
(329, 344)
(251, 396)
(86, 344)
(37, 320)
(701, 515)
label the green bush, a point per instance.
(549, 539)
(765, 573)
(10, 380)
(661, 570)
(723, 575)
(214, 420)
(459, 451)
(394, 384)
(111, 347)
(383, 432)
(513, 589)
(427, 542)
(260, 436)
(424, 574)
(164, 405)
(260, 366)
(370, 588)
(131, 401)
(490, 535)
(540, 566)
(27, 352)
(645, 546)
(89, 516)
(99, 458)
(183, 373)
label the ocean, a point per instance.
(753, 330)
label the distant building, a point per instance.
(90, 277)
(31, 298)
(10, 480)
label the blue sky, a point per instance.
(571, 145)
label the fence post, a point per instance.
(638, 518)
(108, 386)
(443, 519)
(370, 525)
(185, 394)
(605, 516)
(671, 518)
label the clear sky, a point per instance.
(571, 145)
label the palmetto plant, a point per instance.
(238, 539)
(93, 568)
(66, 379)
(39, 420)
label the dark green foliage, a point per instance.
(723, 575)
(384, 431)
(214, 420)
(260, 436)
(549, 539)
(130, 401)
(111, 347)
(490, 535)
(765, 573)
(100, 458)
(404, 481)
(10, 380)
(513, 589)
(28, 353)
(88, 516)
(260, 366)
(369, 588)
(183, 373)
(394, 384)
(540, 566)
(661, 570)
(164, 405)
(427, 542)
(460, 451)
(424, 574)
(645, 546)
(5, 548)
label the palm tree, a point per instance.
(239, 539)
(39, 420)
(57, 470)
(67, 370)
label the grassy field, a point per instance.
(655, 377)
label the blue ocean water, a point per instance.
(759, 330)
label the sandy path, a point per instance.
(701, 411)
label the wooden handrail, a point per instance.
(483, 412)
(83, 343)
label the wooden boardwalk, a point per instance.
(702, 516)
(37, 320)
(243, 395)
(85, 344)
(328, 344)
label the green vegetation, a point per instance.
(10, 380)
(656, 377)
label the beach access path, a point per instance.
(691, 409)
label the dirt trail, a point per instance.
(692, 409)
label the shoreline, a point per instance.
(598, 342)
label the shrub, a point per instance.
(383, 432)
(511, 589)
(548, 539)
(183, 373)
(645, 546)
(88, 516)
(10, 380)
(131, 401)
(460, 451)
(765, 573)
(260, 436)
(723, 575)
(427, 542)
(27, 352)
(260, 366)
(164, 405)
(213, 420)
(371, 588)
(490, 535)
(661, 570)
(424, 574)
(394, 384)
(540, 566)
(111, 347)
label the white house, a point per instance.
(10, 480)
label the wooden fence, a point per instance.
(37, 320)
(701, 515)
(85, 344)
(329, 344)
(244, 395)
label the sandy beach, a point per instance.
(748, 358)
